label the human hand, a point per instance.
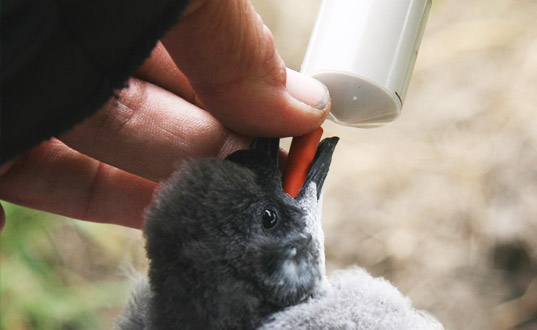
(215, 80)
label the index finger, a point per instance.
(148, 130)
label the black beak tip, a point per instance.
(320, 166)
(268, 146)
(262, 157)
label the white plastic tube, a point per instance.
(364, 52)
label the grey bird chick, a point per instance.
(229, 249)
(227, 246)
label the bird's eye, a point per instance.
(270, 218)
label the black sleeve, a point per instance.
(61, 60)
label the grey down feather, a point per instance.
(228, 249)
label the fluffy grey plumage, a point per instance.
(134, 314)
(354, 300)
(228, 249)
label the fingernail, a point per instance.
(307, 90)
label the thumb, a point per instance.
(230, 60)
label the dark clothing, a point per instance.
(63, 59)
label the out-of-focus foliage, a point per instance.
(42, 285)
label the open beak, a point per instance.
(262, 157)
(320, 166)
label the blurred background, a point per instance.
(442, 202)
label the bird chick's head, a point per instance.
(229, 222)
